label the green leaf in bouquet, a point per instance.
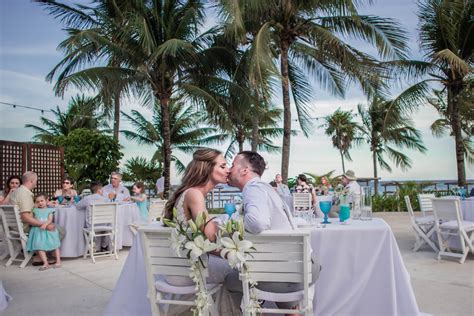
(169, 223)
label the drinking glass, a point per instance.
(229, 208)
(344, 212)
(463, 193)
(366, 204)
(325, 203)
(60, 199)
(77, 198)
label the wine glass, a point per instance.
(77, 198)
(60, 199)
(229, 208)
(344, 212)
(325, 203)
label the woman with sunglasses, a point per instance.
(67, 192)
(12, 184)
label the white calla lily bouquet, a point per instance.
(187, 240)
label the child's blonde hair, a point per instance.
(41, 195)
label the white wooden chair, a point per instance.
(301, 202)
(426, 205)
(449, 222)
(161, 260)
(103, 223)
(16, 238)
(3, 240)
(280, 257)
(423, 226)
(157, 207)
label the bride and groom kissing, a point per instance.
(263, 209)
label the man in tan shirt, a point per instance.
(23, 198)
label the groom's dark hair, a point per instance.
(256, 162)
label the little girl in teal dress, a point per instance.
(40, 239)
(141, 199)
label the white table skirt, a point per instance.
(467, 209)
(362, 274)
(362, 271)
(72, 220)
(127, 214)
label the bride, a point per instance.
(207, 169)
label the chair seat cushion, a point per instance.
(425, 220)
(281, 297)
(163, 286)
(466, 225)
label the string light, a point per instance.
(25, 107)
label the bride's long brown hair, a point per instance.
(197, 173)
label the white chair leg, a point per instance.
(92, 247)
(28, 256)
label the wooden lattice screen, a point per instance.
(46, 160)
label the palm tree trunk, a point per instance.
(254, 141)
(240, 139)
(165, 114)
(116, 115)
(342, 158)
(285, 86)
(376, 178)
(453, 93)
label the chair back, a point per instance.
(104, 214)
(12, 224)
(426, 205)
(280, 257)
(447, 209)
(301, 200)
(159, 257)
(409, 208)
(157, 207)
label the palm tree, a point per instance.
(187, 134)
(342, 130)
(140, 169)
(306, 38)
(154, 45)
(446, 37)
(387, 135)
(444, 124)
(82, 112)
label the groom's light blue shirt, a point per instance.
(263, 208)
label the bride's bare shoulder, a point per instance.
(193, 194)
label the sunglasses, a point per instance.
(67, 182)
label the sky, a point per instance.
(28, 41)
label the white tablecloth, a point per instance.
(467, 209)
(127, 214)
(362, 271)
(362, 274)
(72, 221)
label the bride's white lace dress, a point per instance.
(218, 270)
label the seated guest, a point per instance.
(349, 180)
(67, 191)
(95, 197)
(304, 187)
(12, 184)
(115, 191)
(282, 189)
(326, 186)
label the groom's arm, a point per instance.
(257, 214)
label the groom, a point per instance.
(263, 208)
